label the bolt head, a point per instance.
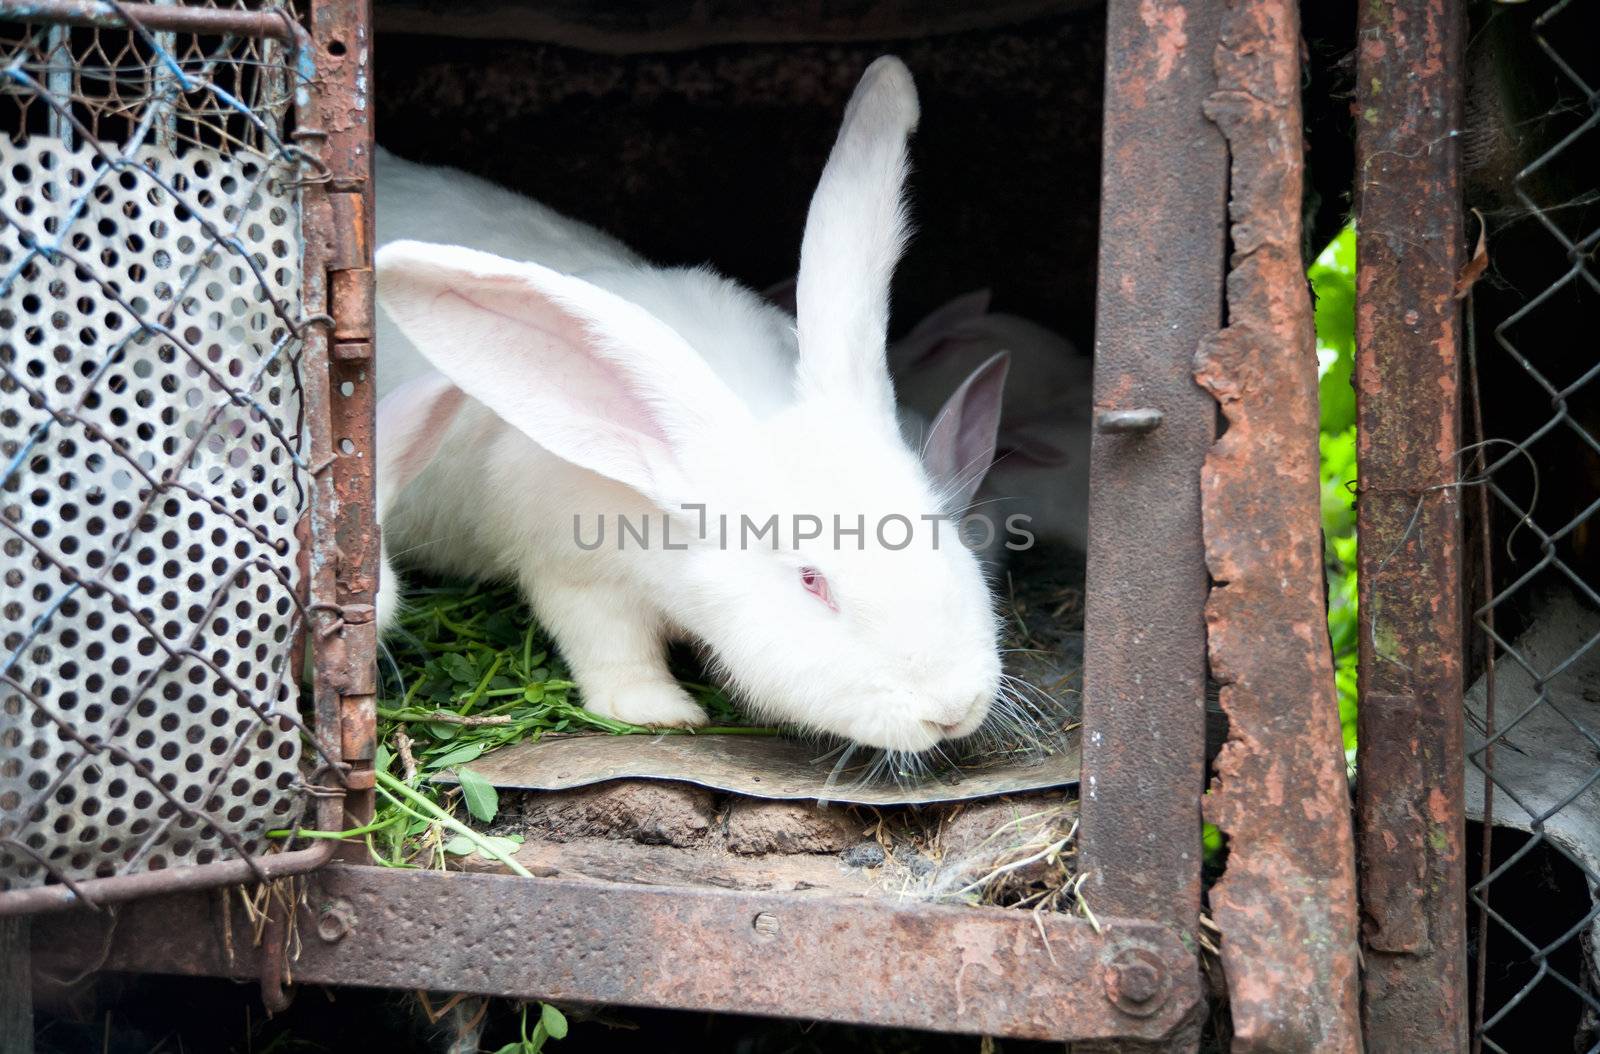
(1135, 982)
(1138, 982)
(335, 921)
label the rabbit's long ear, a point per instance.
(412, 423)
(855, 231)
(589, 376)
(960, 445)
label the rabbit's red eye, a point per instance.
(817, 586)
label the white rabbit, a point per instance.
(601, 386)
(1041, 465)
(412, 421)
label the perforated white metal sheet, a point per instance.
(150, 429)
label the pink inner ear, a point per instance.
(428, 434)
(413, 421)
(564, 362)
(961, 443)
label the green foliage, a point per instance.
(553, 1020)
(1333, 283)
(551, 1024)
(468, 671)
(483, 801)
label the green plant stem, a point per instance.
(416, 686)
(483, 686)
(354, 832)
(372, 851)
(458, 630)
(434, 812)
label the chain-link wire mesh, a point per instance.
(1534, 713)
(152, 449)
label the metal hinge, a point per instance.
(350, 277)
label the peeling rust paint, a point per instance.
(1286, 905)
(1168, 39)
(1410, 797)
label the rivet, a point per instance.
(766, 924)
(1128, 422)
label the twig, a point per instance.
(445, 717)
(1038, 920)
(408, 762)
(1048, 852)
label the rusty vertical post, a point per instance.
(1162, 207)
(1409, 254)
(339, 270)
(1286, 905)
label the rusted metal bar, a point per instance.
(1162, 210)
(1286, 905)
(868, 961)
(120, 889)
(208, 21)
(339, 265)
(1410, 797)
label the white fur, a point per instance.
(1042, 466)
(412, 422)
(601, 385)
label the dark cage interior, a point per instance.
(710, 153)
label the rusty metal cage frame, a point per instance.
(1199, 98)
(1426, 466)
(192, 99)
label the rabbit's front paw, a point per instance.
(652, 704)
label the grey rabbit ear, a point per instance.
(781, 294)
(961, 444)
(931, 336)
